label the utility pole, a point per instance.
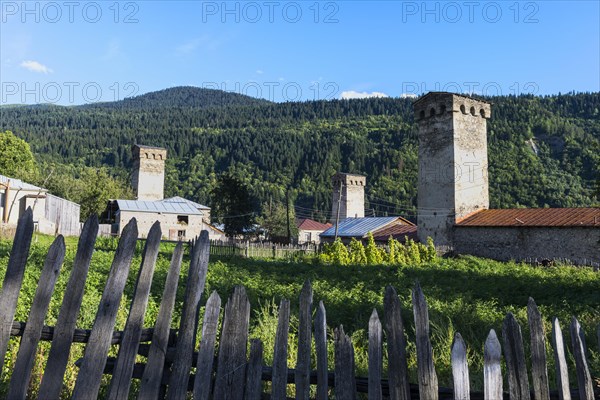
(287, 214)
(337, 217)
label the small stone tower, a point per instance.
(453, 162)
(349, 193)
(148, 177)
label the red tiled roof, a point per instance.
(584, 216)
(398, 232)
(312, 225)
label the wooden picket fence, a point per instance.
(227, 371)
(260, 249)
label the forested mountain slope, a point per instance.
(543, 151)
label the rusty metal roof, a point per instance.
(398, 232)
(584, 216)
(308, 224)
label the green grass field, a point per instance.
(466, 294)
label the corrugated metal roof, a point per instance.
(584, 216)
(359, 227)
(19, 184)
(396, 231)
(158, 207)
(178, 199)
(308, 224)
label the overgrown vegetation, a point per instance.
(466, 294)
(395, 253)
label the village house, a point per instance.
(52, 215)
(309, 230)
(180, 219)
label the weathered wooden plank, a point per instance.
(304, 339)
(514, 354)
(121, 380)
(492, 373)
(14, 279)
(186, 337)
(428, 384)
(460, 369)
(560, 361)
(92, 366)
(280, 368)
(375, 356)
(254, 371)
(206, 352)
(231, 364)
(584, 379)
(539, 368)
(150, 384)
(21, 373)
(396, 342)
(321, 350)
(345, 383)
(64, 332)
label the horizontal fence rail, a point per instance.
(225, 369)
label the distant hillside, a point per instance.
(182, 96)
(543, 151)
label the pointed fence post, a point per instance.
(92, 367)
(21, 373)
(52, 381)
(539, 368)
(460, 369)
(584, 379)
(321, 350)
(280, 368)
(375, 357)
(304, 339)
(562, 371)
(254, 371)
(206, 353)
(121, 379)
(428, 384)
(518, 384)
(13, 279)
(231, 364)
(492, 373)
(151, 380)
(399, 387)
(345, 382)
(186, 337)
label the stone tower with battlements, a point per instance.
(148, 177)
(349, 193)
(453, 162)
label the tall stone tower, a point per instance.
(453, 162)
(349, 194)
(148, 177)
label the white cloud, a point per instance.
(260, 71)
(36, 67)
(351, 94)
(408, 96)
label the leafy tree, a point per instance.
(16, 158)
(233, 204)
(275, 220)
(373, 253)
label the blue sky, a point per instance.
(80, 52)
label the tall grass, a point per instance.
(469, 295)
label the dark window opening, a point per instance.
(183, 219)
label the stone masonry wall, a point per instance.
(578, 244)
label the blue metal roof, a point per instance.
(19, 184)
(359, 227)
(178, 199)
(160, 206)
